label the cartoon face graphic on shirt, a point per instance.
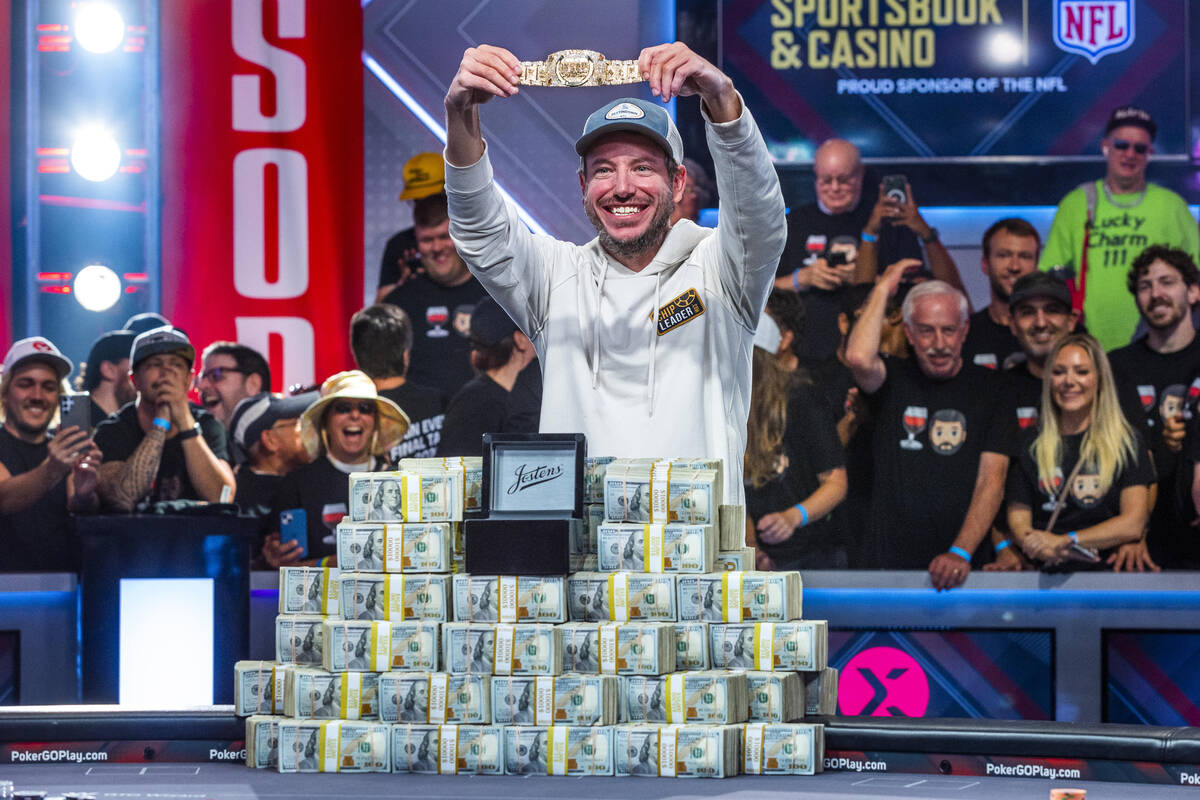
(948, 431)
(1172, 401)
(462, 320)
(1085, 489)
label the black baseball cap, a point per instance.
(140, 323)
(489, 323)
(1131, 115)
(253, 415)
(112, 346)
(166, 339)
(1039, 284)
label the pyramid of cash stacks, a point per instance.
(664, 654)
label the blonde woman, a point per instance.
(795, 472)
(1083, 457)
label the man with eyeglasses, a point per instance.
(1101, 226)
(162, 447)
(229, 373)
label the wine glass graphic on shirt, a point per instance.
(1147, 395)
(331, 515)
(1052, 491)
(914, 423)
(437, 317)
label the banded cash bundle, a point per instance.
(262, 741)
(448, 749)
(593, 516)
(435, 698)
(584, 563)
(501, 648)
(677, 751)
(416, 645)
(691, 646)
(407, 496)
(395, 546)
(558, 750)
(732, 527)
(621, 596)
(509, 598)
(308, 590)
(821, 692)
(780, 749)
(549, 700)
(616, 648)
(640, 490)
(310, 693)
(594, 468)
(299, 639)
(340, 746)
(257, 688)
(375, 595)
(740, 559)
(797, 645)
(640, 698)
(472, 467)
(675, 547)
(775, 696)
(740, 596)
(700, 697)
(356, 645)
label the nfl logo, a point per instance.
(1093, 28)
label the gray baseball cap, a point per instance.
(636, 116)
(166, 339)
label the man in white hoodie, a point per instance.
(645, 333)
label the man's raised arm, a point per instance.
(485, 72)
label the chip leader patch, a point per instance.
(684, 308)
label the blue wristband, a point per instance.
(961, 553)
(870, 238)
(795, 283)
(803, 514)
(1074, 536)
(164, 424)
(1002, 545)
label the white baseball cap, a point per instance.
(37, 348)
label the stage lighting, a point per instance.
(95, 155)
(98, 27)
(97, 288)
(1005, 48)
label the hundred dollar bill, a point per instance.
(797, 645)
(593, 517)
(311, 693)
(636, 648)
(702, 697)
(374, 595)
(356, 645)
(740, 596)
(584, 563)
(783, 749)
(580, 647)
(680, 751)
(448, 749)
(299, 640)
(406, 496)
(621, 596)
(340, 746)
(262, 741)
(641, 698)
(416, 645)
(821, 692)
(550, 700)
(509, 598)
(740, 559)
(299, 744)
(395, 546)
(257, 688)
(656, 548)
(558, 750)
(308, 590)
(660, 493)
(436, 698)
(775, 696)
(594, 468)
(501, 648)
(691, 646)
(471, 466)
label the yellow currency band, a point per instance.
(618, 597)
(502, 648)
(608, 648)
(448, 750)
(556, 749)
(764, 638)
(437, 692)
(410, 497)
(506, 588)
(543, 700)
(327, 746)
(676, 700)
(345, 694)
(668, 741)
(731, 596)
(752, 738)
(327, 589)
(652, 548)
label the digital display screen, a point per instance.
(1151, 677)
(962, 672)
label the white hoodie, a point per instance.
(680, 387)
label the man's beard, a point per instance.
(998, 288)
(1176, 316)
(24, 427)
(652, 237)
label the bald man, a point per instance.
(824, 233)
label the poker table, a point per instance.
(111, 752)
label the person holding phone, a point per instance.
(43, 477)
(1080, 486)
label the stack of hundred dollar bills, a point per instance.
(664, 654)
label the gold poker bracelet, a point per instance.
(579, 68)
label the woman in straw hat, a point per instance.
(349, 428)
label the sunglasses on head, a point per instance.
(1138, 147)
(364, 407)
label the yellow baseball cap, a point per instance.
(424, 174)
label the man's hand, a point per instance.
(85, 477)
(778, 526)
(1133, 557)
(673, 70)
(948, 571)
(67, 448)
(823, 276)
(763, 562)
(485, 72)
(1046, 547)
(1008, 560)
(894, 274)
(281, 555)
(170, 393)
(405, 270)
(1173, 431)
(907, 213)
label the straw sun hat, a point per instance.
(390, 425)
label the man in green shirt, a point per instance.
(1128, 214)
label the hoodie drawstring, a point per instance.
(596, 327)
(653, 342)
